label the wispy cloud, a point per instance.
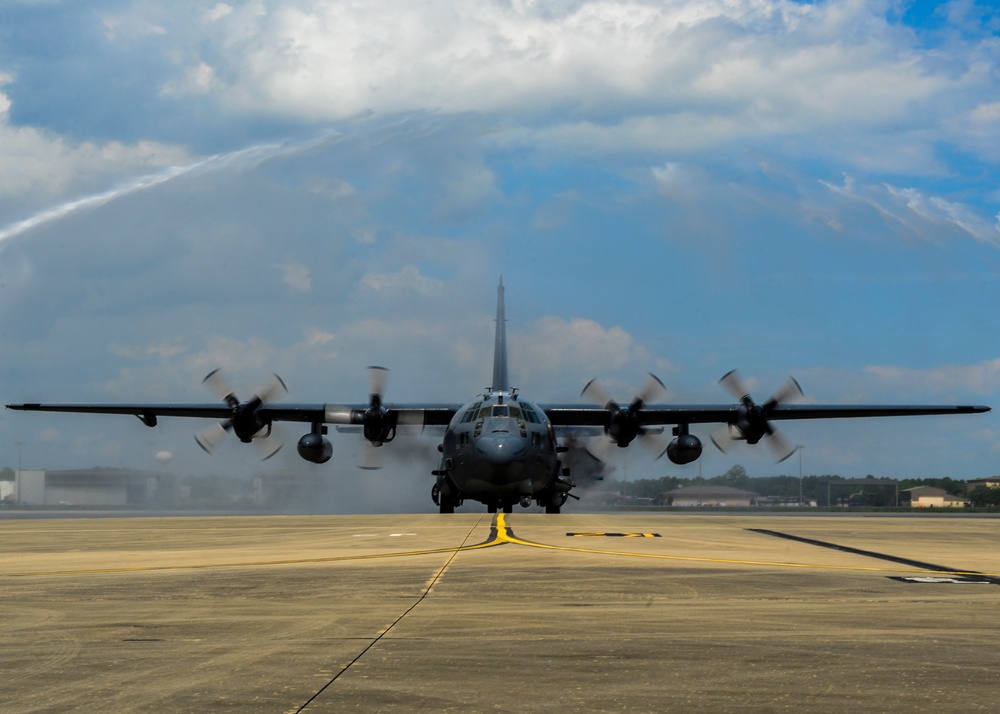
(242, 158)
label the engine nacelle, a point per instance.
(315, 448)
(684, 449)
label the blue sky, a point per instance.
(677, 187)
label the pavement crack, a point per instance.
(430, 586)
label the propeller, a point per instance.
(623, 422)
(376, 423)
(752, 423)
(246, 421)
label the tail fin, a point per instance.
(500, 346)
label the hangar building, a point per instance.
(708, 494)
(930, 497)
(95, 488)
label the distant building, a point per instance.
(930, 497)
(708, 494)
(989, 482)
(293, 489)
(98, 487)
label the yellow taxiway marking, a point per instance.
(492, 541)
(500, 534)
(505, 535)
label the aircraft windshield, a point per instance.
(500, 410)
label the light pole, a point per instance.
(19, 445)
(800, 447)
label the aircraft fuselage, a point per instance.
(500, 449)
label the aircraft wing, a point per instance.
(570, 415)
(832, 411)
(565, 415)
(414, 414)
(146, 412)
(745, 421)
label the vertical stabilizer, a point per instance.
(500, 345)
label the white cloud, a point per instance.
(408, 279)
(4, 99)
(296, 276)
(198, 80)
(680, 183)
(553, 348)
(986, 113)
(316, 337)
(34, 161)
(125, 27)
(919, 214)
(898, 384)
(978, 379)
(49, 435)
(218, 12)
(978, 130)
(241, 159)
(710, 71)
(162, 351)
(254, 354)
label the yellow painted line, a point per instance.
(501, 535)
(505, 535)
(256, 564)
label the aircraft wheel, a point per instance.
(508, 508)
(447, 507)
(552, 509)
(491, 508)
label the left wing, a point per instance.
(429, 415)
(251, 421)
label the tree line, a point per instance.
(815, 487)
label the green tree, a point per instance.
(736, 477)
(985, 497)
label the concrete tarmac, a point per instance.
(644, 612)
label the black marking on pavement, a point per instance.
(941, 580)
(954, 575)
(614, 535)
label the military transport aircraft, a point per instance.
(501, 449)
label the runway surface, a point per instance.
(519, 613)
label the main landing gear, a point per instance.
(446, 503)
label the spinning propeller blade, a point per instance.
(376, 427)
(752, 423)
(246, 421)
(623, 422)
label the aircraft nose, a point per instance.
(500, 449)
